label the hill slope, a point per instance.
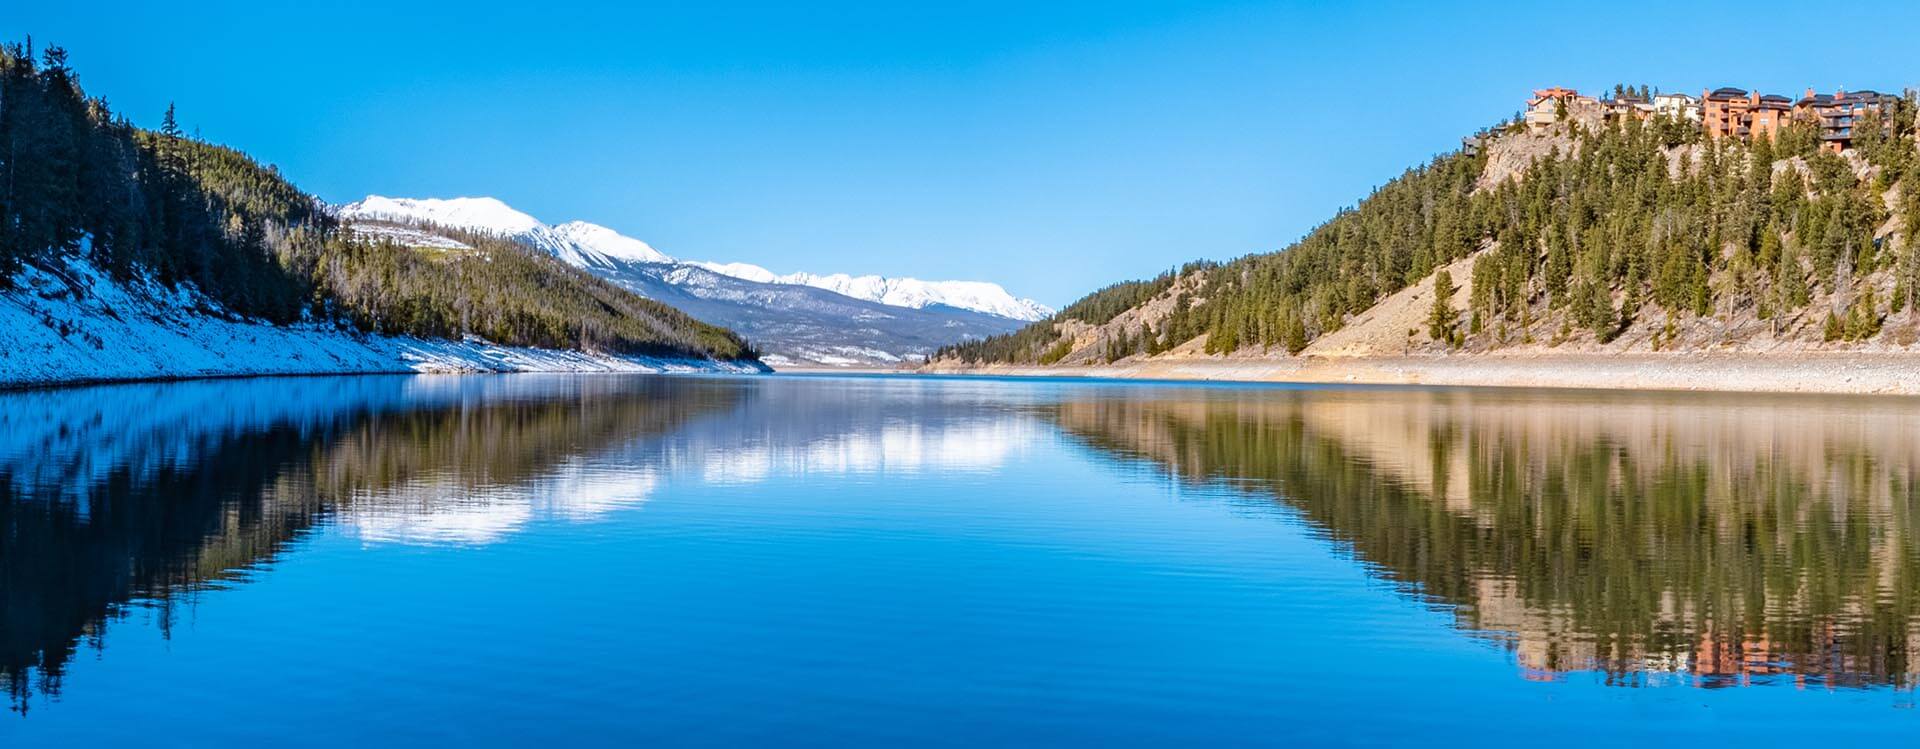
(1629, 238)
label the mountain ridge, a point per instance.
(883, 323)
(586, 244)
(790, 325)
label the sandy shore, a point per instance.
(1885, 373)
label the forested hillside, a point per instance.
(77, 179)
(1607, 237)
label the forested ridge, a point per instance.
(1628, 226)
(78, 179)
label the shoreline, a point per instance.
(1833, 373)
(654, 367)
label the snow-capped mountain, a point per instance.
(590, 245)
(485, 215)
(979, 296)
(795, 319)
(599, 241)
(578, 243)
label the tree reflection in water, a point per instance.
(1717, 540)
(120, 498)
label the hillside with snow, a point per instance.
(67, 322)
(797, 319)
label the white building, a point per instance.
(1677, 106)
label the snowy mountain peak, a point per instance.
(577, 243)
(486, 215)
(609, 242)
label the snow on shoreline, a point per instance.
(71, 324)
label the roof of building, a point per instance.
(1841, 98)
(1728, 92)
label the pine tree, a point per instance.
(1294, 332)
(1443, 319)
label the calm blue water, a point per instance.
(860, 561)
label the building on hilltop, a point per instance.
(1838, 114)
(1738, 113)
(1549, 104)
(1725, 112)
(1677, 106)
(1628, 107)
(1770, 113)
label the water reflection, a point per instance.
(133, 496)
(123, 498)
(1710, 540)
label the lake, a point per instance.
(803, 560)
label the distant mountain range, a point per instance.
(979, 296)
(795, 319)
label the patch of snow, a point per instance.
(405, 236)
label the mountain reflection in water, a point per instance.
(143, 493)
(961, 537)
(1731, 539)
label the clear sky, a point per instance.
(1052, 147)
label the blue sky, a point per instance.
(1051, 147)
